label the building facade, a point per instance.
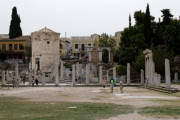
(45, 50)
(80, 45)
(16, 48)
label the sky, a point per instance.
(79, 17)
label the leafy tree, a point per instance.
(159, 56)
(172, 36)
(166, 16)
(139, 17)
(15, 28)
(105, 56)
(139, 62)
(107, 41)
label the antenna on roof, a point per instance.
(65, 35)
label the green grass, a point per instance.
(18, 109)
(161, 111)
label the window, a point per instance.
(76, 46)
(89, 44)
(15, 46)
(48, 42)
(3, 47)
(10, 47)
(83, 47)
(21, 47)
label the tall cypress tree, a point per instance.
(15, 28)
(129, 21)
(147, 29)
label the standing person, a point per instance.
(17, 83)
(13, 82)
(33, 81)
(121, 87)
(112, 84)
(36, 81)
(24, 80)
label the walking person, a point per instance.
(121, 87)
(112, 84)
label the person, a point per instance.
(13, 82)
(121, 87)
(112, 84)
(36, 81)
(76, 80)
(17, 83)
(24, 80)
(33, 82)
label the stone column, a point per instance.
(87, 73)
(152, 72)
(57, 74)
(155, 79)
(176, 77)
(77, 69)
(62, 70)
(100, 56)
(17, 72)
(146, 68)
(89, 56)
(167, 73)
(109, 56)
(142, 77)
(100, 75)
(3, 78)
(107, 75)
(128, 73)
(73, 74)
(114, 74)
(158, 80)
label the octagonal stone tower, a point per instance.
(45, 50)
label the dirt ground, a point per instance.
(136, 97)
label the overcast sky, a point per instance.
(79, 17)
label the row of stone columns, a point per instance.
(75, 70)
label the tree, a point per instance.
(166, 16)
(147, 27)
(172, 36)
(107, 41)
(15, 28)
(129, 21)
(105, 56)
(139, 17)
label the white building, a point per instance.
(45, 49)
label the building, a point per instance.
(80, 45)
(4, 36)
(45, 49)
(17, 48)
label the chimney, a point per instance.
(159, 20)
